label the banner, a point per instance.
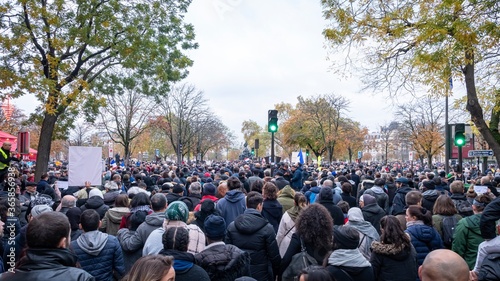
(85, 164)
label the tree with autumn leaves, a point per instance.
(59, 51)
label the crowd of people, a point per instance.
(250, 221)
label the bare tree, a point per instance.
(387, 132)
(80, 134)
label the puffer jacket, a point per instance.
(272, 211)
(231, 206)
(425, 239)
(134, 240)
(467, 238)
(48, 264)
(429, 197)
(99, 254)
(111, 221)
(490, 215)
(286, 198)
(185, 267)
(224, 262)
(395, 263)
(96, 203)
(252, 233)
(373, 213)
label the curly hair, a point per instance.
(270, 191)
(392, 232)
(315, 226)
(176, 238)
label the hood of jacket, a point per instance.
(43, 258)
(250, 222)
(392, 251)
(348, 258)
(373, 208)
(472, 223)
(155, 219)
(183, 261)
(377, 189)
(286, 192)
(92, 242)
(366, 228)
(315, 189)
(94, 202)
(422, 232)
(116, 214)
(431, 195)
(294, 212)
(234, 196)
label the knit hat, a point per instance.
(73, 215)
(403, 180)
(355, 214)
(368, 199)
(215, 227)
(95, 192)
(326, 193)
(209, 189)
(39, 209)
(177, 211)
(344, 239)
(429, 184)
(177, 188)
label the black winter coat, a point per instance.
(350, 273)
(185, 267)
(349, 199)
(48, 264)
(272, 211)
(334, 210)
(96, 203)
(399, 202)
(224, 262)
(390, 262)
(252, 233)
(490, 215)
(373, 214)
(295, 247)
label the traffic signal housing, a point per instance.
(459, 135)
(272, 124)
(253, 151)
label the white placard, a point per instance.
(480, 189)
(85, 164)
(62, 185)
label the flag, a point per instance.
(301, 157)
(451, 83)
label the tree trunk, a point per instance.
(44, 145)
(429, 160)
(475, 109)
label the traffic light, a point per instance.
(253, 151)
(307, 152)
(272, 124)
(460, 134)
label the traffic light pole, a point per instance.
(272, 147)
(460, 160)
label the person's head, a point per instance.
(215, 228)
(140, 199)
(177, 211)
(96, 192)
(379, 182)
(444, 206)
(270, 191)
(457, 187)
(392, 232)
(68, 201)
(49, 230)
(257, 185)
(176, 238)
(74, 215)
(233, 183)
(44, 176)
(152, 268)
(417, 213)
(315, 225)
(117, 178)
(221, 189)
(315, 273)
(443, 265)
(195, 188)
(480, 202)
(38, 210)
(355, 214)
(31, 187)
(111, 186)
(328, 183)
(209, 189)
(344, 206)
(366, 199)
(325, 194)
(6, 146)
(90, 220)
(158, 202)
(413, 198)
(346, 188)
(122, 201)
(300, 200)
(254, 200)
(345, 237)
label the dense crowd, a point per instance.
(250, 221)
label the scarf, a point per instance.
(348, 258)
(294, 212)
(411, 223)
(141, 208)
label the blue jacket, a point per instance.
(99, 254)
(424, 239)
(315, 190)
(232, 205)
(296, 180)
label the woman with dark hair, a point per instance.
(467, 236)
(271, 208)
(140, 202)
(257, 185)
(313, 227)
(287, 223)
(393, 258)
(175, 242)
(423, 236)
(152, 268)
(315, 273)
(346, 194)
(113, 217)
(346, 262)
(445, 217)
(74, 215)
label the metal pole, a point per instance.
(446, 137)
(272, 147)
(460, 160)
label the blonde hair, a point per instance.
(150, 268)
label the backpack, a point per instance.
(490, 268)
(464, 207)
(299, 262)
(312, 197)
(448, 229)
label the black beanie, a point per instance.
(215, 227)
(345, 238)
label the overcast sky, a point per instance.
(254, 54)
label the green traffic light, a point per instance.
(273, 128)
(459, 139)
